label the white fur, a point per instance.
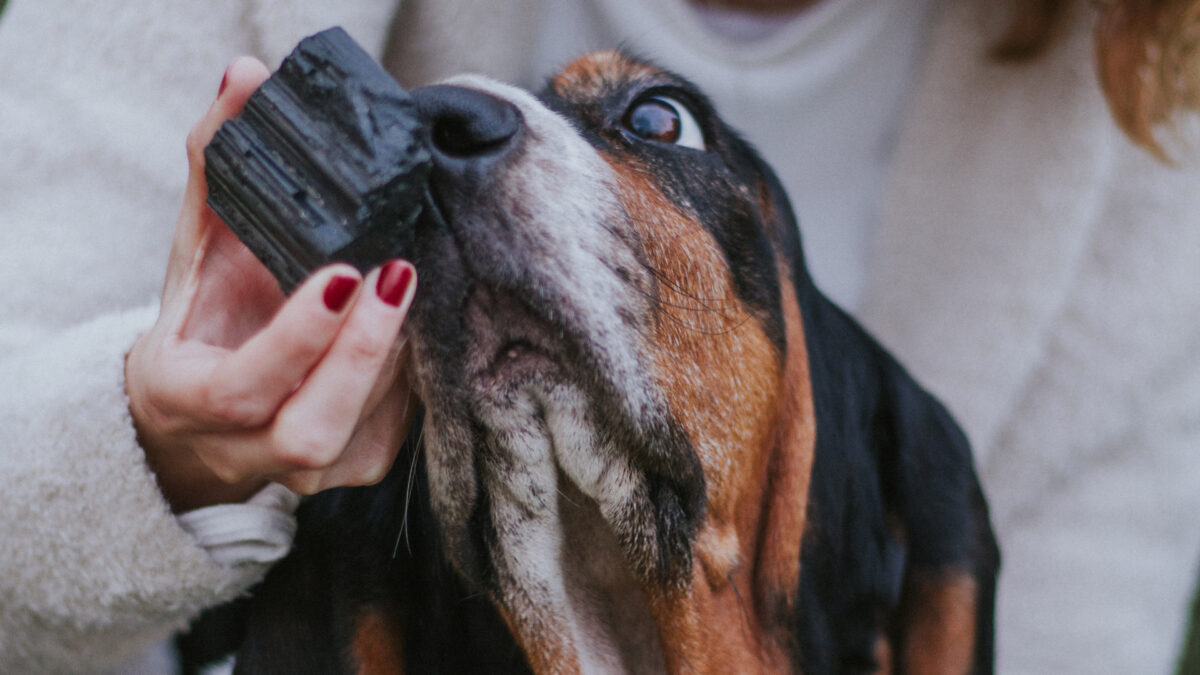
(545, 431)
(1098, 572)
(571, 196)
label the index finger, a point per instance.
(249, 385)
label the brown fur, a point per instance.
(785, 500)
(546, 648)
(597, 71)
(939, 619)
(757, 463)
(748, 411)
(378, 645)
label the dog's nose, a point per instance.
(468, 129)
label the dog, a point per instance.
(648, 443)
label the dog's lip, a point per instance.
(514, 349)
(519, 359)
(507, 336)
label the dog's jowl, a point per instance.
(648, 442)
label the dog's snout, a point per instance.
(467, 126)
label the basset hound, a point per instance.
(648, 443)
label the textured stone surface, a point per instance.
(327, 162)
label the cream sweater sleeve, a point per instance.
(94, 566)
(95, 104)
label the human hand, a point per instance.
(235, 385)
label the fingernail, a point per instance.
(338, 292)
(224, 83)
(394, 280)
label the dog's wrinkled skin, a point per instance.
(649, 443)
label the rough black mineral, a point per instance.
(327, 162)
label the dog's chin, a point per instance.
(525, 411)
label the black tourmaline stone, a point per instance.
(327, 162)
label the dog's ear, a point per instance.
(944, 623)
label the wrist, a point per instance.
(185, 481)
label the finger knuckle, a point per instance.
(151, 408)
(380, 454)
(311, 342)
(306, 450)
(363, 351)
(234, 407)
(229, 474)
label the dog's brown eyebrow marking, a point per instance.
(598, 74)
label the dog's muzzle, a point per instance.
(530, 348)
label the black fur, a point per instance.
(376, 547)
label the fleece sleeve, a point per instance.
(94, 566)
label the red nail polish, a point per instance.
(338, 292)
(224, 82)
(394, 280)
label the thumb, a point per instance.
(241, 78)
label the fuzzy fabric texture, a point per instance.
(96, 103)
(1041, 275)
(1032, 268)
(94, 563)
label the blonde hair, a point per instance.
(1147, 56)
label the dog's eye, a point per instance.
(664, 120)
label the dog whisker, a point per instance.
(713, 303)
(412, 473)
(568, 499)
(743, 610)
(707, 331)
(703, 304)
(600, 320)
